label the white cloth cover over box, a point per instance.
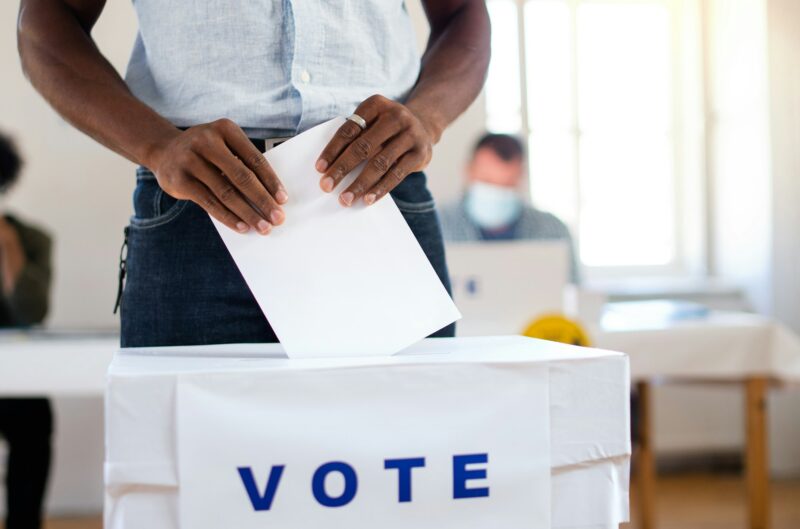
(585, 406)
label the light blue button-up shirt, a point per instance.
(275, 67)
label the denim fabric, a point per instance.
(183, 287)
(275, 67)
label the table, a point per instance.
(738, 348)
(40, 362)
(55, 363)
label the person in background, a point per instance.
(26, 424)
(492, 207)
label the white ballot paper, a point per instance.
(337, 281)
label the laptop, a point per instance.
(500, 287)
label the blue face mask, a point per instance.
(491, 206)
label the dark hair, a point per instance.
(505, 146)
(10, 163)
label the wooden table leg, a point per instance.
(757, 456)
(645, 460)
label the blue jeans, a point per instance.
(183, 288)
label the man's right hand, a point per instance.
(216, 166)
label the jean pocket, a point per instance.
(153, 207)
(412, 195)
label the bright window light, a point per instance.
(598, 84)
(503, 99)
(624, 84)
(551, 146)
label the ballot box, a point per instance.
(505, 432)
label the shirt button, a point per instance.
(305, 77)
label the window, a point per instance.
(606, 91)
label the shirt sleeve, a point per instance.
(30, 300)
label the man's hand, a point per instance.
(12, 256)
(216, 166)
(394, 144)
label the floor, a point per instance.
(704, 501)
(697, 501)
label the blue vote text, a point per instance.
(468, 469)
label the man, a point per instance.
(492, 208)
(25, 424)
(209, 87)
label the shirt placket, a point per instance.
(306, 42)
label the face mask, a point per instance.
(491, 206)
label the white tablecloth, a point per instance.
(723, 345)
(36, 363)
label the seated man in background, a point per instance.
(25, 423)
(492, 208)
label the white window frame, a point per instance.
(688, 135)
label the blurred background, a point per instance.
(665, 134)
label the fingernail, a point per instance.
(276, 216)
(347, 198)
(281, 196)
(327, 184)
(370, 198)
(322, 165)
(242, 227)
(263, 227)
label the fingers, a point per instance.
(242, 147)
(404, 166)
(375, 169)
(204, 198)
(409, 149)
(364, 147)
(229, 197)
(348, 132)
(246, 183)
(344, 135)
(216, 166)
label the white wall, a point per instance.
(81, 193)
(783, 19)
(77, 189)
(738, 128)
(755, 110)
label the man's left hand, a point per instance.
(394, 144)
